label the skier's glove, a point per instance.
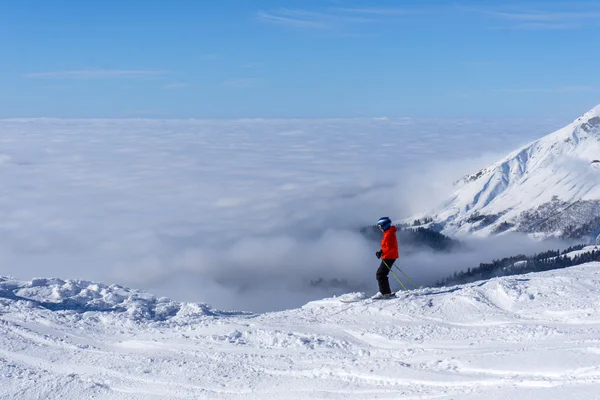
(379, 253)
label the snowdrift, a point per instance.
(73, 297)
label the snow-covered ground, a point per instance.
(228, 212)
(534, 336)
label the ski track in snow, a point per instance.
(534, 336)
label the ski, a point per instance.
(384, 298)
(393, 296)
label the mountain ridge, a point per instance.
(561, 168)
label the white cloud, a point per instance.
(331, 18)
(242, 82)
(545, 16)
(234, 213)
(548, 16)
(295, 19)
(381, 11)
(558, 89)
(539, 26)
(179, 85)
(94, 74)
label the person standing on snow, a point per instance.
(388, 255)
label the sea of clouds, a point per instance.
(241, 214)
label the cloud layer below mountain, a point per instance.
(233, 212)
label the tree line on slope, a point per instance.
(521, 264)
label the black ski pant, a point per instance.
(382, 276)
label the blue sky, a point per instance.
(267, 58)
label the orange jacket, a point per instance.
(389, 244)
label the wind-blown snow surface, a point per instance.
(232, 213)
(533, 336)
(544, 187)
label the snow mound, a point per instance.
(81, 297)
(356, 296)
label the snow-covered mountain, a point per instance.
(550, 186)
(531, 336)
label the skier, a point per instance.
(388, 255)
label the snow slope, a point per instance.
(546, 186)
(533, 336)
(586, 249)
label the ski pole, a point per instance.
(395, 276)
(407, 277)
